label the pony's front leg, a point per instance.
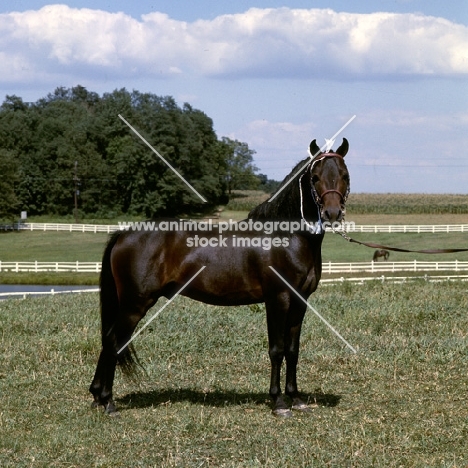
(276, 320)
(292, 341)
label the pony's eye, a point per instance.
(315, 179)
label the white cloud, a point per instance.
(283, 42)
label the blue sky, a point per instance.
(273, 74)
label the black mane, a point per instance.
(287, 204)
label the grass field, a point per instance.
(400, 402)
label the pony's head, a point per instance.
(329, 181)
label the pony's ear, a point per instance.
(314, 148)
(343, 149)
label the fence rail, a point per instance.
(327, 267)
(404, 228)
(377, 267)
(108, 228)
(94, 228)
(396, 279)
(36, 267)
(52, 292)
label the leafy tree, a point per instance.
(9, 203)
(266, 184)
(240, 171)
(73, 138)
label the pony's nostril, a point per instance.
(332, 214)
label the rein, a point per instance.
(396, 249)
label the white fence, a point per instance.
(108, 228)
(52, 292)
(395, 279)
(377, 267)
(327, 267)
(36, 267)
(401, 228)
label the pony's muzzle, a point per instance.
(332, 214)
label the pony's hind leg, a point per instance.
(115, 351)
(101, 386)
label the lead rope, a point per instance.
(395, 249)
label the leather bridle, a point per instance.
(318, 199)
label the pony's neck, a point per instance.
(293, 201)
(310, 210)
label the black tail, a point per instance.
(110, 310)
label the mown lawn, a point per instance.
(401, 401)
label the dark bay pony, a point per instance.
(381, 253)
(139, 267)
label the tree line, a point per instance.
(70, 153)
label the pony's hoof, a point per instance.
(111, 410)
(302, 407)
(282, 413)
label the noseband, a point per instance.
(318, 199)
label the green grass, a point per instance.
(337, 249)
(28, 246)
(401, 401)
(49, 278)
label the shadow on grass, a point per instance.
(217, 398)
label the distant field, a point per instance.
(374, 203)
(397, 203)
(203, 402)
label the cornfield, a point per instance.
(402, 203)
(372, 203)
